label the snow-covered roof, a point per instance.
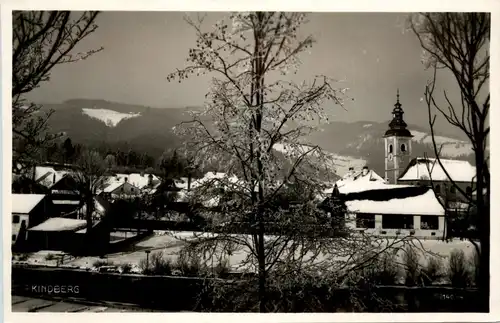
(214, 177)
(138, 180)
(100, 206)
(112, 186)
(418, 169)
(59, 224)
(424, 204)
(48, 176)
(367, 176)
(347, 187)
(24, 203)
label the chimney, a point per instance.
(150, 179)
(365, 170)
(125, 179)
(54, 179)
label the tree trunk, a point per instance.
(88, 217)
(262, 266)
(484, 232)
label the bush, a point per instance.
(222, 268)
(189, 264)
(50, 257)
(474, 263)
(99, 263)
(433, 271)
(126, 268)
(387, 271)
(411, 266)
(458, 271)
(157, 265)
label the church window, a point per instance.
(390, 149)
(403, 147)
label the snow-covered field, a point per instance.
(110, 117)
(170, 243)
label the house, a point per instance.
(120, 190)
(421, 171)
(391, 210)
(142, 180)
(28, 210)
(56, 234)
(65, 196)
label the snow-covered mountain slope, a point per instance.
(339, 164)
(450, 147)
(110, 117)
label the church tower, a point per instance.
(397, 145)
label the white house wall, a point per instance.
(380, 231)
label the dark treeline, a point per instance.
(120, 157)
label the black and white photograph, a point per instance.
(248, 161)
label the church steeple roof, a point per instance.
(397, 126)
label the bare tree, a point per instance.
(251, 112)
(89, 178)
(41, 40)
(459, 43)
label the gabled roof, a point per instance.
(24, 203)
(139, 180)
(392, 199)
(48, 176)
(418, 169)
(114, 185)
(358, 177)
(422, 204)
(59, 224)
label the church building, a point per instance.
(397, 140)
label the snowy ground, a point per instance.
(170, 243)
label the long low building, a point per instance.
(391, 210)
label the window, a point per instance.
(397, 221)
(403, 147)
(13, 237)
(453, 190)
(365, 221)
(429, 222)
(131, 189)
(437, 189)
(15, 219)
(468, 191)
(390, 149)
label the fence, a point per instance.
(170, 293)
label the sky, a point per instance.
(370, 52)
